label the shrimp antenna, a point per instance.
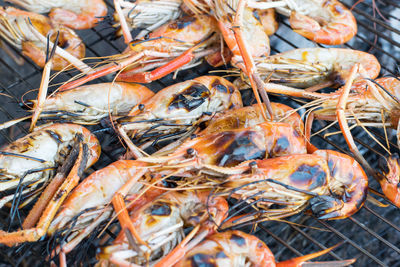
(21, 156)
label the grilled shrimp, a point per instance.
(325, 22)
(250, 116)
(332, 183)
(91, 103)
(31, 160)
(160, 224)
(236, 248)
(306, 67)
(85, 208)
(177, 44)
(370, 104)
(88, 204)
(390, 178)
(230, 148)
(27, 35)
(76, 14)
(178, 108)
(148, 14)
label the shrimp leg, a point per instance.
(34, 234)
(341, 116)
(121, 209)
(251, 69)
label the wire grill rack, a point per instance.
(372, 236)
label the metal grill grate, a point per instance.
(372, 236)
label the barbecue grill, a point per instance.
(372, 235)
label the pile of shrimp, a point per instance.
(195, 163)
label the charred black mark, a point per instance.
(194, 219)
(241, 149)
(339, 9)
(313, 176)
(238, 240)
(82, 103)
(64, 45)
(337, 79)
(202, 260)
(182, 23)
(219, 86)
(281, 145)
(332, 167)
(191, 98)
(59, 195)
(256, 15)
(56, 137)
(221, 255)
(160, 209)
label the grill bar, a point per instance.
(351, 242)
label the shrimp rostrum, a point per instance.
(178, 109)
(333, 184)
(31, 161)
(160, 224)
(27, 31)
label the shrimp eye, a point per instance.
(190, 151)
(141, 107)
(193, 136)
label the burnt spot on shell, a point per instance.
(182, 23)
(337, 79)
(59, 195)
(242, 148)
(332, 168)
(256, 15)
(311, 176)
(160, 209)
(56, 137)
(219, 86)
(64, 45)
(191, 98)
(281, 145)
(338, 9)
(238, 240)
(202, 260)
(221, 255)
